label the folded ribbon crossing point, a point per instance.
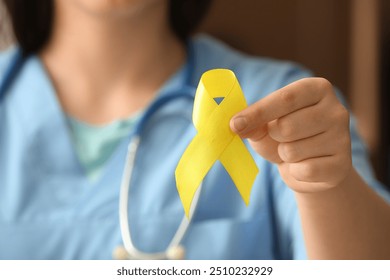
(215, 140)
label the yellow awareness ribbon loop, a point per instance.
(215, 140)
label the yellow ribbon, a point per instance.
(215, 140)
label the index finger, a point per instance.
(297, 95)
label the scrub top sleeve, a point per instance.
(361, 162)
(360, 155)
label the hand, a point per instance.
(304, 129)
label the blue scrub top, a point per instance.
(49, 209)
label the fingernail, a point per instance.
(240, 123)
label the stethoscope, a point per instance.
(175, 249)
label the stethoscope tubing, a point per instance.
(133, 252)
(11, 73)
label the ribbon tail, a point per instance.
(241, 167)
(193, 166)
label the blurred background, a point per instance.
(345, 41)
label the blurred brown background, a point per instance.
(345, 41)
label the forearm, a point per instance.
(305, 130)
(349, 221)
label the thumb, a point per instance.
(259, 138)
(245, 127)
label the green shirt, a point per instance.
(94, 144)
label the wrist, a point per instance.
(334, 193)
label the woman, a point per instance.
(92, 69)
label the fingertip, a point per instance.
(238, 124)
(232, 125)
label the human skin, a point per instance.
(108, 58)
(304, 129)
